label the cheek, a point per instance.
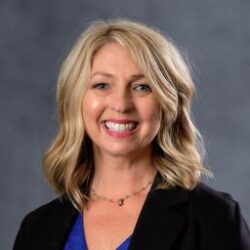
(151, 112)
(91, 108)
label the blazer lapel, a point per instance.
(162, 219)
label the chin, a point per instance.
(121, 153)
(124, 151)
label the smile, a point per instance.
(120, 127)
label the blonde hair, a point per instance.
(68, 163)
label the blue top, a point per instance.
(76, 239)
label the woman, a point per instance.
(125, 159)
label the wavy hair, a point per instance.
(68, 163)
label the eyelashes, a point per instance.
(141, 87)
(100, 86)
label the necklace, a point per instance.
(121, 200)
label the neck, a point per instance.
(118, 175)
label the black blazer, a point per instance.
(173, 219)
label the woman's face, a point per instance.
(120, 112)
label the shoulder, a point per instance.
(59, 213)
(58, 207)
(206, 197)
(212, 205)
(47, 226)
(217, 218)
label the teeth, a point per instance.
(118, 127)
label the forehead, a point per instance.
(114, 59)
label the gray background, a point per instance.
(34, 38)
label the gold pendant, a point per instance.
(120, 202)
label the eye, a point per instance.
(143, 88)
(100, 86)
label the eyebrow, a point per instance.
(133, 77)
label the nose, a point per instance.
(121, 101)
